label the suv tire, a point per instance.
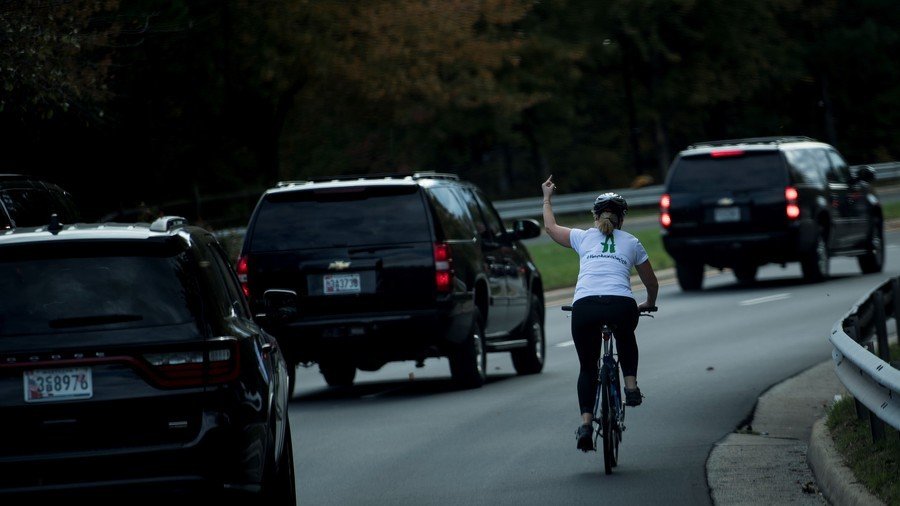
(337, 374)
(530, 359)
(690, 275)
(815, 262)
(468, 360)
(873, 261)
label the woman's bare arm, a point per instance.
(648, 278)
(556, 232)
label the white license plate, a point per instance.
(726, 214)
(333, 284)
(43, 385)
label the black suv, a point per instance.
(743, 203)
(129, 364)
(355, 272)
(28, 202)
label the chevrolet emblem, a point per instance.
(338, 265)
(725, 201)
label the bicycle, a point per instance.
(611, 422)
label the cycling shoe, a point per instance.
(633, 397)
(585, 434)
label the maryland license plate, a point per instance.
(335, 284)
(45, 385)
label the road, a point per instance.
(402, 435)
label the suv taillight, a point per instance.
(443, 267)
(665, 202)
(793, 208)
(242, 271)
(217, 362)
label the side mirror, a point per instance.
(526, 229)
(281, 307)
(865, 173)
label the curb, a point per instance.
(833, 478)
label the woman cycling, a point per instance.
(603, 294)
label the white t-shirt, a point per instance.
(606, 262)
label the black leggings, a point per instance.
(588, 316)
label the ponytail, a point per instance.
(607, 222)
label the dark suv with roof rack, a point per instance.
(27, 201)
(354, 272)
(130, 364)
(743, 203)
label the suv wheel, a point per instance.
(690, 275)
(873, 260)
(468, 360)
(745, 273)
(815, 264)
(530, 359)
(338, 375)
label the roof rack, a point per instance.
(166, 223)
(355, 177)
(754, 140)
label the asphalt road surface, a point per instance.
(403, 435)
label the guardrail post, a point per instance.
(876, 427)
(884, 352)
(851, 327)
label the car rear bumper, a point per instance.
(373, 338)
(780, 246)
(220, 459)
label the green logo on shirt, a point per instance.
(609, 245)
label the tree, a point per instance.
(54, 57)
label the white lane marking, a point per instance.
(762, 300)
(565, 344)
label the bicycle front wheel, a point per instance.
(608, 425)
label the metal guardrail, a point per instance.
(871, 379)
(575, 202)
(647, 196)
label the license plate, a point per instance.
(726, 214)
(333, 284)
(43, 385)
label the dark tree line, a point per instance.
(175, 103)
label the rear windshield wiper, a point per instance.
(85, 321)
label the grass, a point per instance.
(876, 465)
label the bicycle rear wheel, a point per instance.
(608, 424)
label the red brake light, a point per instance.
(665, 202)
(443, 267)
(665, 220)
(242, 271)
(792, 210)
(724, 153)
(216, 363)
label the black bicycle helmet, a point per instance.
(612, 202)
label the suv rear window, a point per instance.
(339, 217)
(47, 295)
(750, 171)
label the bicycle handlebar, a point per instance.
(644, 312)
